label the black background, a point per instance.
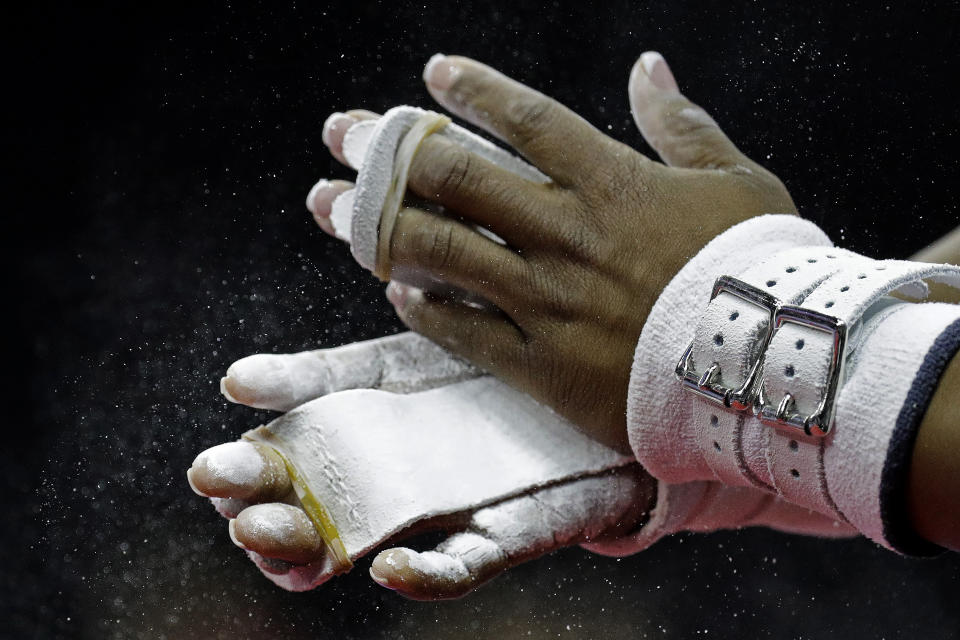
(159, 160)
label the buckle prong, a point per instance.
(705, 384)
(707, 378)
(819, 422)
(785, 405)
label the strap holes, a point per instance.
(799, 344)
(794, 473)
(716, 445)
(714, 420)
(718, 340)
(880, 268)
(829, 304)
(861, 276)
(811, 260)
(831, 256)
(791, 269)
(734, 315)
(788, 371)
(793, 445)
(771, 283)
(845, 288)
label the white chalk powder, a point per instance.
(379, 462)
(235, 463)
(403, 363)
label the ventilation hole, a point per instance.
(861, 276)
(734, 315)
(770, 283)
(811, 260)
(791, 269)
(831, 256)
(716, 445)
(794, 473)
(714, 420)
(845, 288)
(799, 344)
(718, 340)
(793, 445)
(829, 304)
(880, 268)
(788, 371)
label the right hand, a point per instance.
(587, 254)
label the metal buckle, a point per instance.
(702, 384)
(819, 422)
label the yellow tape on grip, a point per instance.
(314, 509)
(430, 122)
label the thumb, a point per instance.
(681, 132)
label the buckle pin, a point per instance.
(705, 384)
(818, 423)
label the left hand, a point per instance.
(587, 254)
(250, 485)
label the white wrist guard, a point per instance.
(801, 378)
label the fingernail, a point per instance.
(232, 529)
(656, 69)
(440, 73)
(319, 203)
(192, 484)
(379, 579)
(337, 123)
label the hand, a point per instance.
(250, 484)
(586, 254)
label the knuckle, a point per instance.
(455, 172)
(438, 250)
(529, 114)
(440, 169)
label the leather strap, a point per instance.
(731, 335)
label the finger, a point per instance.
(450, 251)
(681, 132)
(475, 188)
(320, 201)
(402, 363)
(229, 508)
(514, 531)
(335, 128)
(460, 565)
(484, 336)
(555, 139)
(240, 470)
(279, 531)
(363, 114)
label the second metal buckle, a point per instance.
(819, 422)
(703, 383)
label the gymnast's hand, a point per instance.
(586, 255)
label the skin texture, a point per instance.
(586, 257)
(602, 240)
(934, 482)
(587, 254)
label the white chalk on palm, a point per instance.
(379, 462)
(401, 363)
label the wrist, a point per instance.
(749, 351)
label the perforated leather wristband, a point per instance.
(795, 375)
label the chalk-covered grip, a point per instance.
(375, 463)
(376, 149)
